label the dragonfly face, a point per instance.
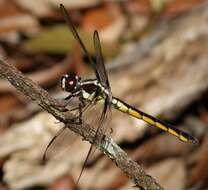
(70, 83)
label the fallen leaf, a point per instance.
(155, 148)
(108, 20)
(169, 173)
(7, 102)
(78, 4)
(142, 6)
(180, 6)
(59, 40)
(37, 7)
(199, 173)
(25, 144)
(97, 19)
(22, 22)
(64, 183)
(158, 5)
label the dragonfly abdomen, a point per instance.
(125, 108)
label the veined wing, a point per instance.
(103, 79)
(100, 67)
(77, 37)
(99, 134)
(67, 138)
(101, 76)
(60, 131)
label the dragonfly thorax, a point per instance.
(70, 83)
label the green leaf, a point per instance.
(59, 40)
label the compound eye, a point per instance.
(71, 84)
(68, 82)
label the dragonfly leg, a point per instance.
(111, 130)
(69, 97)
(81, 110)
(60, 106)
(78, 119)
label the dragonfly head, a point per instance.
(70, 83)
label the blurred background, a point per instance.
(156, 54)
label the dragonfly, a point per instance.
(98, 91)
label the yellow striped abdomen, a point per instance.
(123, 107)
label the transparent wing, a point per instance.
(60, 131)
(77, 37)
(103, 79)
(100, 66)
(63, 137)
(101, 76)
(99, 134)
(60, 144)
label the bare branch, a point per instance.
(108, 146)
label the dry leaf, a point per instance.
(78, 4)
(108, 20)
(155, 148)
(180, 6)
(199, 173)
(169, 173)
(37, 7)
(64, 183)
(59, 40)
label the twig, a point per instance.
(108, 146)
(43, 77)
